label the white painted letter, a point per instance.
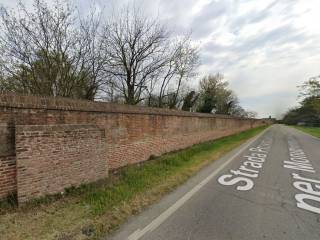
(253, 164)
(306, 187)
(248, 182)
(297, 176)
(299, 166)
(302, 204)
(255, 159)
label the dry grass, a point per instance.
(95, 210)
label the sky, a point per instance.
(264, 48)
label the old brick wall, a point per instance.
(51, 158)
(8, 184)
(7, 160)
(138, 137)
(34, 127)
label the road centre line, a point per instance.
(173, 208)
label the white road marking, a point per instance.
(167, 213)
(309, 187)
(249, 170)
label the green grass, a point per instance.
(93, 210)
(314, 131)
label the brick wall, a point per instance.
(8, 184)
(7, 160)
(139, 136)
(51, 158)
(63, 142)
(6, 139)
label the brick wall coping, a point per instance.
(11, 100)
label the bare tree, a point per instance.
(310, 88)
(49, 51)
(182, 63)
(93, 55)
(251, 114)
(136, 50)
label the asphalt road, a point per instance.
(268, 188)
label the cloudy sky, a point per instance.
(265, 48)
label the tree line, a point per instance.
(308, 112)
(130, 58)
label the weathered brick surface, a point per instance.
(49, 158)
(7, 160)
(135, 140)
(6, 139)
(52, 158)
(7, 175)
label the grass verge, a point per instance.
(314, 131)
(94, 210)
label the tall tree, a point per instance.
(49, 51)
(185, 60)
(131, 58)
(310, 88)
(213, 94)
(189, 100)
(309, 110)
(251, 114)
(216, 97)
(145, 62)
(136, 50)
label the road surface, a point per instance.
(268, 188)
